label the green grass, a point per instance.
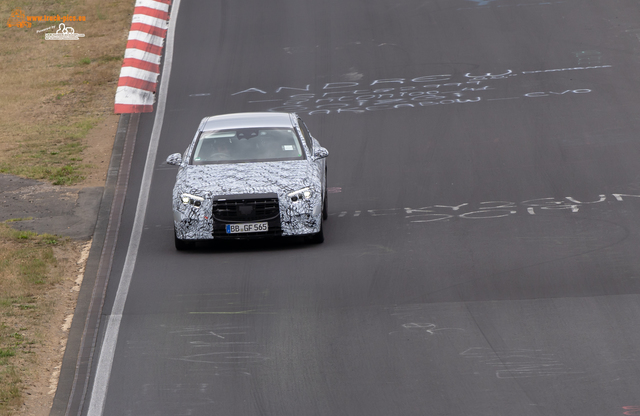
(26, 272)
(10, 381)
(52, 153)
(106, 58)
(7, 352)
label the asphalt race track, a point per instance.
(481, 254)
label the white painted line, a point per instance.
(133, 96)
(142, 55)
(146, 37)
(151, 21)
(130, 71)
(153, 5)
(107, 350)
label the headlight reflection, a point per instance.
(189, 199)
(304, 193)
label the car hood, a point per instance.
(246, 178)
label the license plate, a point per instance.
(250, 227)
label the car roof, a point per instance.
(246, 120)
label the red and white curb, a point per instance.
(141, 65)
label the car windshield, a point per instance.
(247, 145)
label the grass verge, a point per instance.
(53, 94)
(28, 269)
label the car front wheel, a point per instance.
(325, 204)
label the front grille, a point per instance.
(244, 208)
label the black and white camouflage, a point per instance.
(197, 185)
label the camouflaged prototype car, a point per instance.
(250, 175)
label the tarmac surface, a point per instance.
(481, 251)
(44, 208)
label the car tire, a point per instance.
(325, 206)
(182, 245)
(325, 202)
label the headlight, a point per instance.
(196, 201)
(304, 193)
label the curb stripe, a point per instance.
(146, 37)
(129, 71)
(151, 21)
(137, 83)
(143, 46)
(147, 11)
(138, 64)
(142, 57)
(152, 30)
(152, 4)
(134, 96)
(128, 108)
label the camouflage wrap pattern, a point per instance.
(283, 177)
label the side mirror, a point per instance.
(320, 153)
(174, 159)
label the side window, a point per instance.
(305, 133)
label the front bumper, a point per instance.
(209, 220)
